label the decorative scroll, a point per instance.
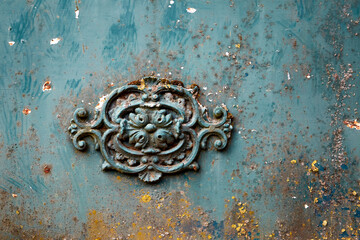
(151, 127)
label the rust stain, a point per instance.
(97, 228)
(47, 168)
(165, 216)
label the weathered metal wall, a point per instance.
(287, 70)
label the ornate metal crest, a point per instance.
(150, 127)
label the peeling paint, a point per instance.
(77, 12)
(191, 10)
(46, 86)
(55, 41)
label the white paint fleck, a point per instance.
(288, 75)
(205, 88)
(294, 197)
(227, 54)
(169, 6)
(306, 206)
(170, 73)
(172, 2)
(55, 41)
(308, 76)
(182, 68)
(191, 10)
(77, 11)
(11, 43)
(101, 102)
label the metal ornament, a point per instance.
(150, 127)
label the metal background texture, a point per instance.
(287, 70)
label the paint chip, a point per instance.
(14, 195)
(172, 2)
(11, 43)
(55, 41)
(191, 10)
(352, 124)
(26, 111)
(324, 223)
(306, 206)
(77, 11)
(46, 86)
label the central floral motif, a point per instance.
(149, 130)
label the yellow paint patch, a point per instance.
(324, 223)
(293, 161)
(142, 84)
(313, 167)
(146, 198)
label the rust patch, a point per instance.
(164, 216)
(47, 168)
(26, 111)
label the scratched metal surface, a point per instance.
(287, 70)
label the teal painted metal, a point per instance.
(150, 127)
(287, 70)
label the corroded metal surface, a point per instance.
(286, 69)
(150, 127)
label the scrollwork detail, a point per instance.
(151, 127)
